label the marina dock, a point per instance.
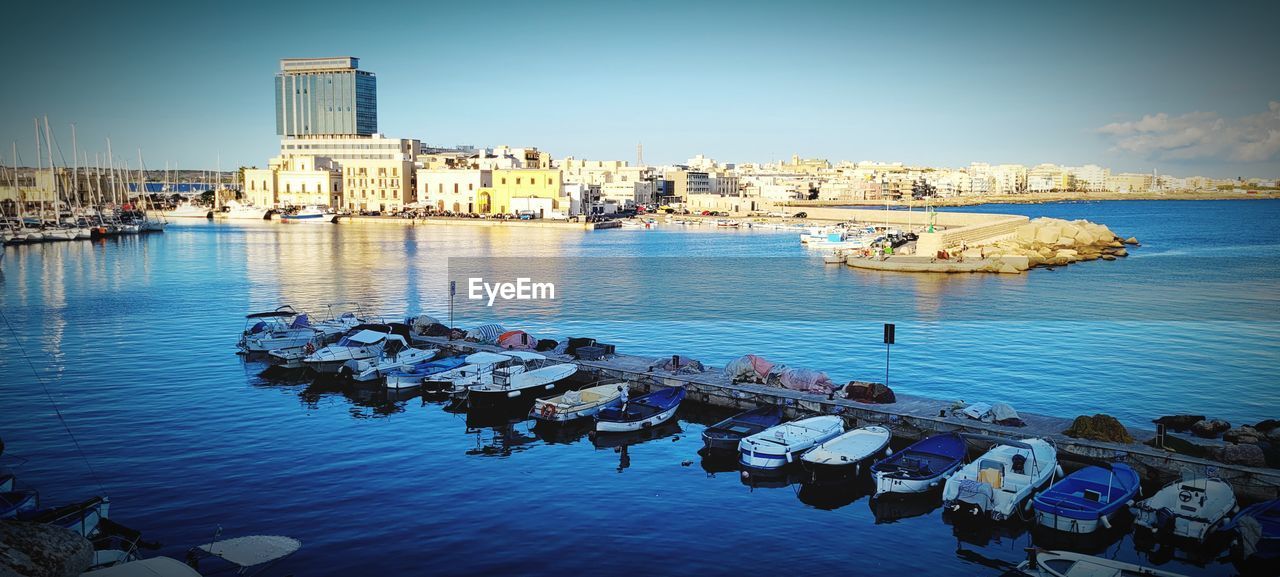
(911, 417)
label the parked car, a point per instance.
(801, 215)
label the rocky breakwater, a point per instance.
(1050, 242)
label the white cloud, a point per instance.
(1200, 136)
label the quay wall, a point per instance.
(482, 222)
(913, 418)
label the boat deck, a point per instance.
(911, 417)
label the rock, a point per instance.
(1274, 436)
(1247, 455)
(1026, 233)
(1267, 426)
(1065, 242)
(37, 549)
(1131, 240)
(1120, 252)
(1108, 257)
(1243, 435)
(1099, 428)
(1210, 428)
(1179, 422)
(1048, 234)
(1008, 269)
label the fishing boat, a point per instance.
(1086, 499)
(1187, 508)
(842, 457)
(1000, 482)
(81, 518)
(238, 211)
(726, 223)
(724, 437)
(310, 214)
(1256, 546)
(362, 342)
(414, 375)
(15, 503)
(1044, 563)
(517, 381)
(921, 466)
(577, 404)
(642, 412)
(393, 356)
(776, 446)
(189, 210)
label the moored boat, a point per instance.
(842, 457)
(413, 376)
(310, 214)
(1045, 563)
(578, 404)
(776, 446)
(81, 518)
(518, 381)
(362, 342)
(1187, 508)
(15, 503)
(723, 437)
(921, 466)
(642, 412)
(1001, 482)
(393, 356)
(1256, 546)
(1086, 499)
(189, 210)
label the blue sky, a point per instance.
(1185, 88)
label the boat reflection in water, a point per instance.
(988, 532)
(772, 478)
(499, 441)
(621, 442)
(890, 507)
(567, 433)
(831, 496)
(1094, 543)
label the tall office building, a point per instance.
(325, 97)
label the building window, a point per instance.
(504, 180)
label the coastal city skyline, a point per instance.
(1160, 95)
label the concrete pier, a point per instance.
(911, 417)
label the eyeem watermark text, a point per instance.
(522, 290)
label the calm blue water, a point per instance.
(135, 339)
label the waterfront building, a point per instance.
(294, 181)
(325, 97)
(1047, 178)
(507, 158)
(687, 182)
(375, 173)
(516, 190)
(1089, 178)
(720, 203)
(1129, 182)
(723, 184)
(452, 190)
(629, 194)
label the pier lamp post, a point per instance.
(889, 330)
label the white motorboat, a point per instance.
(272, 330)
(1044, 563)
(920, 467)
(391, 358)
(236, 210)
(843, 456)
(577, 404)
(364, 344)
(641, 413)
(774, 447)
(310, 214)
(1188, 508)
(474, 364)
(521, 378)
(1001, 482)
(189, 210)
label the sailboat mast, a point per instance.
(53, 176)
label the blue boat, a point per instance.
(920, 467)
(1257, 542)
(413, 376)
(641, 412)
(725, 435)
(82, 518)
(1085, 499)
(15, 503)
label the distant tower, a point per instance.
(640, 154)
(325, 97)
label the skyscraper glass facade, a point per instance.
(325, 97)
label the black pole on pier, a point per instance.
(888, 340)
(453, 289)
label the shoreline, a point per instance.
(1041, 198)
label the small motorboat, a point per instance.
(238, 556)
(577, 404)
(155, 567)
(82, 517)
(16, 503)
(1086, 499)
(392, 357)
(724, 436)
(413, 376)
(189, 210)
(920, 467)
(1187, 508)
(842, 457)
(1002, 480)
(310, 214)
(642, 412)
(776, 446)
(519, 379)
(1257, 537)
(475, 365)
(1044, 563)
(360, 343)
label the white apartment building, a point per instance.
(700, 162)
(724, 184)
(452, 190)
(629, 194)
(1090, 177)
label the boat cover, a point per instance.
(487, 334)
(517, 340)
(486, 358)
(367, 337)
(253, 550)
(155, 567)
(300, 321)
(977, 493)
(683, 365)
(749, 368)
(807, 380)
(421, 323)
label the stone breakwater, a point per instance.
(1052, 242)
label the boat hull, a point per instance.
(628, 426)
(503, 398)
(1068, 524)
(887, 483)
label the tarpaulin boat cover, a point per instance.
(1002, 412)
(487, 334)
(435, 330)
(546, 345)
(807, 380)
(869, 392)
(421, 323)
(977, 493)
(517, 340)
(682, 364)
(300, 321)
(749, 368)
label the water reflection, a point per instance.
(831, 496)
(499, 441)
(621, 443)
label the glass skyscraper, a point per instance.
(325, 97)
